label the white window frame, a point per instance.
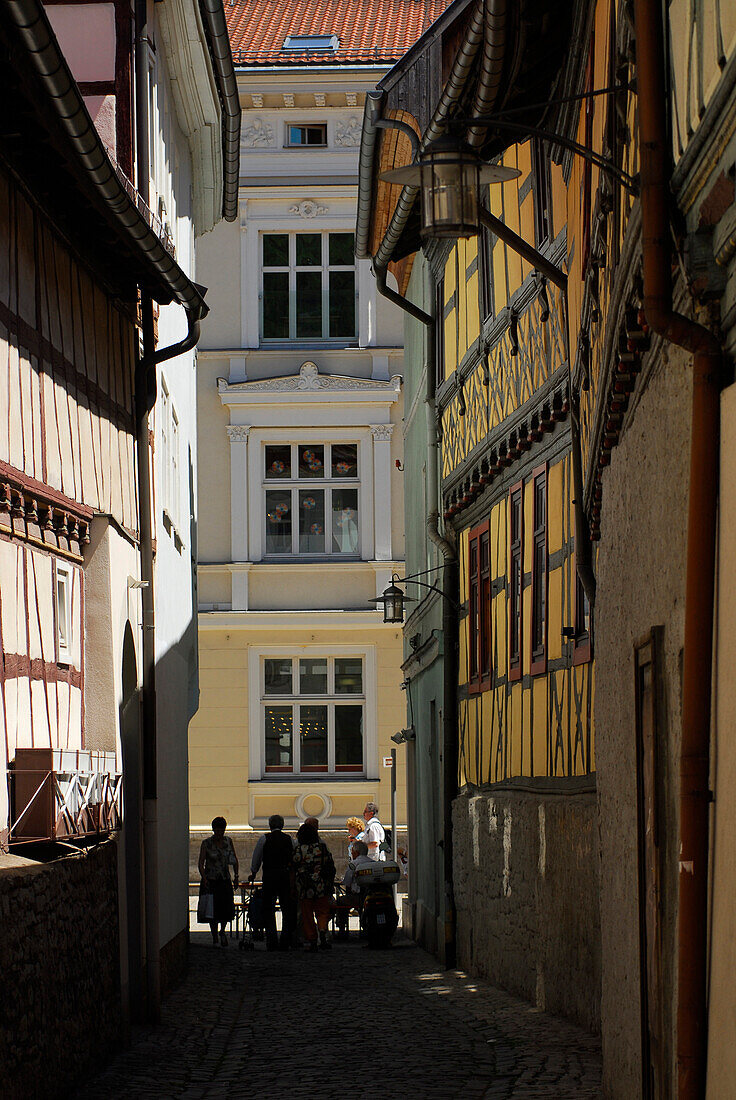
(256, 496)
(294, 485)
(292, 268)
(63, 588)
(258, 701)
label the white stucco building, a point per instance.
(300, 406)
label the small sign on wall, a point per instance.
(387, 762)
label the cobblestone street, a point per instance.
(252, 1024)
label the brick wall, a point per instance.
(60, 1013)
(526, 893)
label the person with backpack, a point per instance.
(315, 885)
(375, 834)
(274, 853)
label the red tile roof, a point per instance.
(369, 31)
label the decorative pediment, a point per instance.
(309, 380)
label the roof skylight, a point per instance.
(306, 42)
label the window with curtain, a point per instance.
(311, 499)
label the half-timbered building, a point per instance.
(95, 482)
(494, 372)
(582, 413)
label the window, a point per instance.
(169, 456)
(588, 167)
(516, 577)
(311, 499)
(542, 193)
(485, 271)
(63, 609)
(306, 135)
(316, 42)
(583, 647)
(439, 332)
(313, 714)
(479, 609)
(308, 290)
(539, 571)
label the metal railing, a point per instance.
(63, 801)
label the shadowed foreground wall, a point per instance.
(526, 893)
(60, 1013)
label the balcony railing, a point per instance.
(61, 794)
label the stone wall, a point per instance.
(336, 841)
(526, 895)
(60, 1013)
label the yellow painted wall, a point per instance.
(219, 734)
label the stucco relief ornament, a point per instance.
(347, 133)
(258, 134)
(307, 209)
(238, 433)
(309, 378)
(382, 432)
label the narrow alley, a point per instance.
(348, 1022)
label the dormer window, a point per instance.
(304, 43)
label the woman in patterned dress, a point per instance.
(216, 856)
(315, 884)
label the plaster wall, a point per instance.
(218, 257)
(110, 603)
(641, 584)
(722, 999)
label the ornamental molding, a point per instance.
(307, 209)
(238, 433)
(258, 134)
(348, 133)
(381, 432)
(309, 380)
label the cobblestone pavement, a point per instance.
(271, 1026)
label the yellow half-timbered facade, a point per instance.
(580, 419)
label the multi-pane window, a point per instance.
(479, 608)
(308, 290)
(311, 499)
(303, 134)
(313, 714)
(516, 577)
(539, 571)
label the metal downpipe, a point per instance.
(145, 395)
(697, 670)
(223, 59)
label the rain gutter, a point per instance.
(223, 61)
(66, 103)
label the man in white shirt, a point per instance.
(359, 851)
(374, 835)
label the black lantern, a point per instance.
(393, 604)
(450, 175)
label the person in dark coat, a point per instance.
(216, 857)
(274, 853)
